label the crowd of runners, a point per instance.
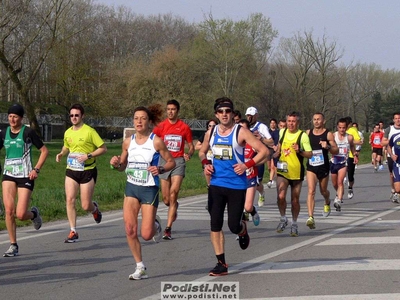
(233, 152)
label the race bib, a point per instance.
(377, 140)
(73, 163)
(173, 142)
(14, 167)
(223, 152)
(137, 172)
(282, 166)
(317, 159)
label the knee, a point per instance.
(147, 234)
(235, 227)
(131, 230)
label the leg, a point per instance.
(295, 199)
(131, 211)
(312, 184)
(71, 191)
(176, 182)
(323, 188)
(281, 188)
(86, 192)
(9, 194)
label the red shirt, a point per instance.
(174, 136)
(249, 153)
(376, 139)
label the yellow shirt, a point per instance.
(354, 132)
(290, 165)
(82, 141)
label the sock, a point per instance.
(254, 211)
(221, 258)
(73, 229)
(15, 244)
(350, 187)
(283, 218)
(34, 214)
(140, 265)
(167, 228)
(294, 222)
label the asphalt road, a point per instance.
(353, 254)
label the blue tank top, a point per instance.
(226, 153)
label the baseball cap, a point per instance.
(251, 111)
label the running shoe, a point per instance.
(244, 239)
(12, 251)
(380, 168)
(269, 184)
(256, 218)
(294, 231)
(176, 212)
(140, 273)
(395, 198)
(375, 169)
(327, 210)
(220, 269)
(245, 216)
(281, 226)
(37, 221)
(97, 215)
(310, 223)
(350, 194)
(355, 167)
(158, 235)
(345, 180)
(167, 235)
(261, 200)
(72, 237)
(337, 205)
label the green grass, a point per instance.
(49, 195)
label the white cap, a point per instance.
(251, 111)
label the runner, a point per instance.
(389, 132)
(19, 175)
(375, 141)
(293, 147)
(139, 159)
(261, 132)
(228, 178)
(351, 165)
(82, 144)
(175, 133)
(322, 142)
(345, 143)
(271, 162)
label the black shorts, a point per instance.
(21, 182)
(378, 151)
(82, 177)
(321, 171)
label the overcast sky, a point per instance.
(367, 30)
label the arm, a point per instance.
(159, 145)
(99, 151)
(120, 162)
(205, 146)
(64, 151)
(353, 148)
(44, 152)
(188, 155)
(334, 148)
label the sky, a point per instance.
(368, 31)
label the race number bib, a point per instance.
(317, 158)
(377, 140)
(223, 152)
(73, 163)
(282, 166)
(137, 172)
(173, 142)
(14, 167)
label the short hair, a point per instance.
(246, 122)
(348, 120)
(174, 102)
(79, 107)
(294, 114)
(209, 121)
(355, 124)
(273, 119)
(237, 113)
(342, 120)
(319, 113)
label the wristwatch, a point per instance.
(89, 156)
(37, 170)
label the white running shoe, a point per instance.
(158, 235)
(140, 273)
(337, 204)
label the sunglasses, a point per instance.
(76, 116)
(224, 110)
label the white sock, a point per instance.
(73, 229)
(140, 265)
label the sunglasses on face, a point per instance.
(75, 115)
(224, 110)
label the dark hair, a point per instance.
(174, 102)
(154, 112)
(236, 113)
(342, 120)
(78, 107)
(396, 114)
(320, 113)
(348, 120)
(246, 122)
(209, 121)
(355, 123)
(273, 119)
(223, 102)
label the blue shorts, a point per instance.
(145, 194)
(252, 182)
(396, 172)
(336, 167)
